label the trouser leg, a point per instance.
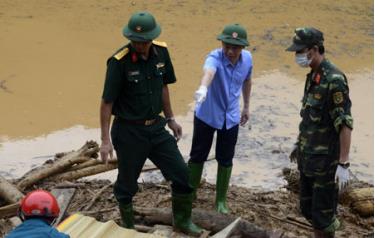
(203, 135)
(167, 157)
(305, 195)
(200, 148)
(131, 148)
(318, 195)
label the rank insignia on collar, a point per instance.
(338, 97)
(317, 79)
(134, 57)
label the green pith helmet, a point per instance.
(234, 34)
(141, 27)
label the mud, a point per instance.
(53, 57)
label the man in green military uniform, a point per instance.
(135, 92)
(322, 148)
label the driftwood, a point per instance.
(96, 197)
(76, 174)
(293, 222)
(9, 192)
(83, 154)
(9, 210)
(208, 220)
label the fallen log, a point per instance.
(9, 210)
(76, 174)
(93, 168)
(9, 192)
(90, 149)
(208, 220)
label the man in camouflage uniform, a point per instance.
(135, 92)
(322, 148)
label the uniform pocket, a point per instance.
(137, 84)
(320, 165)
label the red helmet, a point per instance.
(39, 203)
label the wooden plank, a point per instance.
(64, 197)
(9, 210)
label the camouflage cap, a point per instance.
(306, 37)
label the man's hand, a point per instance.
(245, 115)
(106, 149)
(200, 94)
(342, 177)
(176, 128)
(294, 155)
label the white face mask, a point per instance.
(302, 60)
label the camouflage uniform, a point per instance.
(325, 109)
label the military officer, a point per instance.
(135, 92)
(322, 148)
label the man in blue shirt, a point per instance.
(227, 72)
(38, 210)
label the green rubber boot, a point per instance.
(181, 208)
(127, 216)
(195, 174)
(222, 183)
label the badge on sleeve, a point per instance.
(338, 97)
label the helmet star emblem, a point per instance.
(235, 35)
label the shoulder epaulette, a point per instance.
(119, 55)
(160, 43)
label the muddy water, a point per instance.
(53, 62)
(263, 145)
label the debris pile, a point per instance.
(270, 213)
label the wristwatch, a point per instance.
(169, 119)
(344, 165)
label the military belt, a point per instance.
(138, 122)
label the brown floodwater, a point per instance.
(52, 68)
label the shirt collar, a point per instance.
(321, 69)
(227, 61)
(153, 52)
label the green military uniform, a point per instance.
(325, 109)
(135, 87)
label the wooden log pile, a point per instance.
(66, 168)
